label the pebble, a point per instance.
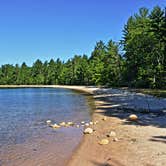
(91, 123)
(62, 124)
(67, 125)
(48, 121)
(133, 117)
(96, 122)
(105, 118)
(55, 126)
(111, 134)
(115, 139)
(104, 142)
(70, 123)
(86, 124)
(88, 130)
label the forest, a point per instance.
(137, 60)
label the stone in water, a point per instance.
(48, 121)
(55, 126)
(62, 124)
(70, 123)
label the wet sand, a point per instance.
(141, 143)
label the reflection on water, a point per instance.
(23, 113)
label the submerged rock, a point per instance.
(133, 117)
(104, 142)
(55, 126)
(70, 123)
(62, 124)
(88, 130)
(48, 122)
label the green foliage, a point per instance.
(143, 63)
(144, 44)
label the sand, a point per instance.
(141, 143)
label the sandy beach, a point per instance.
(140, 143)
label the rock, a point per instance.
(104, 142)
(91, 123)
(70, 123)
(133, 139)
(82, 122)
(133, 117)
(67, 125)
(48, 122)
(96, 122)
(111, 134)
(62, 124)
(55, 126)
(105, 118)
(86, 124)
(115, 139)
(77, 126)
(88, 130)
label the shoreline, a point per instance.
(138, 143)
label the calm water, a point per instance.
(24, 136)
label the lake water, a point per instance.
(25, 139)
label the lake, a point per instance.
(26, 139)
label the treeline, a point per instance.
(138, 60)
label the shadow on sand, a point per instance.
(122, 108)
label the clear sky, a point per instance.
(45, 29)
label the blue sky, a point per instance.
(45, 29)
